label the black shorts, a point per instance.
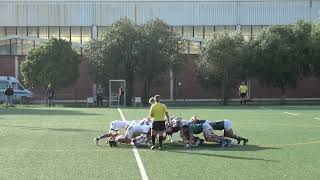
(159, 125)
(243, 94)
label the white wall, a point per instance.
(176, 13)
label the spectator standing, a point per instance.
(50, 95)
(99, 93)
(121, 96)
(8, 92)
(243, 90)
(159, 113)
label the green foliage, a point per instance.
(128, 49)
(220, 62)
(315, 51)
(52, 62)
(279, 55)
(160, 50)
(114, 55)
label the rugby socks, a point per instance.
(153, 137)
(160, 140)
(239, 138)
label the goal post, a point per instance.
(117, 93)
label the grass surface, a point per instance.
(43, 143)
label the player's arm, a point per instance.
(151, 112)
(166, 112)
(191, 137)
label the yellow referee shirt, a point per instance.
(243, 89)
(158, 112)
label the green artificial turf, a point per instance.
(57, 143)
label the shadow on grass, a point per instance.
(223, 156)
(17, 111)
(52, 129)
(180, 149)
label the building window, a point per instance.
(188, 31)
(256, 29)
(86, 34)
(11, 31)
(198, 32)
(53, 32)
(33, 31)
(230, 28)
(246, 32)
(2, 31)
(44, 32)
(177, 29)
(208, 31)
(76, 34)
(102, 29)
(219, 28)
(65, 33)
(22, 31)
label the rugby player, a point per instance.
(159, 113)
(114, 129)
(136, 133)
(226, 126)
(197, 127)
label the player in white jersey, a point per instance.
(136, 133)
(114, 129)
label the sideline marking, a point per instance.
(291, 113)
(136, 155)
(316, 118)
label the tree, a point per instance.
(52, 62)
(314, 62)
(220, 62)
(115, 53)
(279, 55)
(160, 50)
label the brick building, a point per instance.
(26, 23)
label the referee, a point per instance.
(243, 89)
(159, 113)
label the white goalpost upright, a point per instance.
(117, 93)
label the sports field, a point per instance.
(43, 143)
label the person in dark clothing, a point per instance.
(99, 96)
(121, 96)
(50, 95)
(8, 92)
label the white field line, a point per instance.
(136, 155)
(291, 113)
(316, 118)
